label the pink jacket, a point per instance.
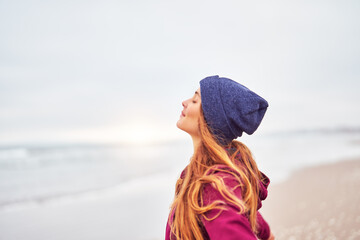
(229, 224)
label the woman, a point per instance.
(219, 193)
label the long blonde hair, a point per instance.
(188, 206)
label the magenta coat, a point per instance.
(229, 224)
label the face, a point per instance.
(190, 115)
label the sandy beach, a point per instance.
(321, 202)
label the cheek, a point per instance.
(193, 118)
(194, 112)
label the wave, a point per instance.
(144, 183)
(14, 153)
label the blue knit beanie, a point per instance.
(230, 108)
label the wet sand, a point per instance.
(321, 202)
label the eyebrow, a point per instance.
(197, 93)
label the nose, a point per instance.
(184, 104)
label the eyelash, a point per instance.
(193, 101)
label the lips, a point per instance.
(182, 114)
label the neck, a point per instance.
(196, 143)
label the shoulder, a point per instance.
(224, 172)
(227, 178)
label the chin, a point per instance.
(178, 125)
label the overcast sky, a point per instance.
(114, 71)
